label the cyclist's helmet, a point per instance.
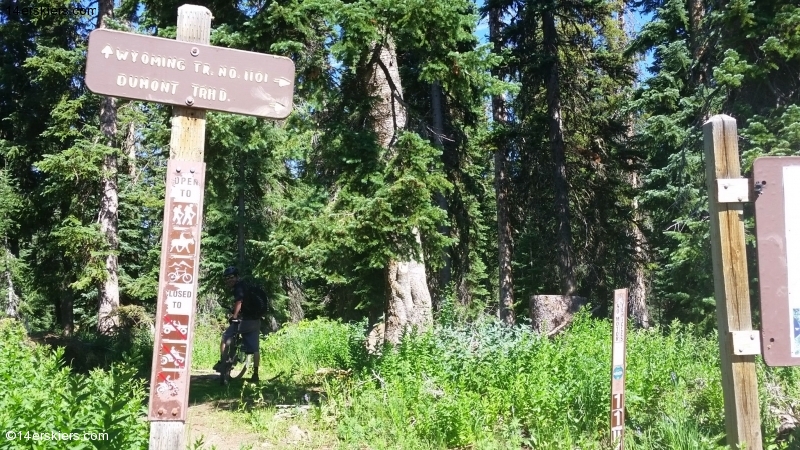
(230, 272)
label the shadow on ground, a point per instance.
(279, 390)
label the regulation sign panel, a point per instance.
(177, 291)
(618, 344)
(162, 70)
(777, 183)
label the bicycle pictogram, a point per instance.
(181, 273)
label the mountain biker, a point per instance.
(250, 325)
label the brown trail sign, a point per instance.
(619, 339)
(161, 70)
(777, 181)
(193, 76)
(177, 291)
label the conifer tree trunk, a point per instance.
(12, 301)
(130, 148)
(639, 283)
(66, 309)
(696, 14)
(556, 136)
(504, 237)
(108, 299)
(438, 129)
(240, 236)
(408, 297)
(296, 298)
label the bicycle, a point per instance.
(236, 361)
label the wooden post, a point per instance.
(189, 124)
(731, 289)
(619, 335)
(186, 144)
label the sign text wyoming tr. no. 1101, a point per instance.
(179, 73)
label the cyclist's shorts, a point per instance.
(250, 330)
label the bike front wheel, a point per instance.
(237, 363)
(240, 365)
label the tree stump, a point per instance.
(551, 313)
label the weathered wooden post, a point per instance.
(193, 77)
(187, 171)
(618, 342)
(726, 193)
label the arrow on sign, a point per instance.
(107, 51)
(272, 103)
(282, 81)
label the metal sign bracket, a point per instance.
(746, 342)
(733, 190)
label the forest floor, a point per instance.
(275, 414)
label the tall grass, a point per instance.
(487, 386)
(482, 383)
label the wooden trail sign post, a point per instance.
(619, 337)
(726, 193)
(193, 76)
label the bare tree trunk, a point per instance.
(445, 273)
(296, 298)
(12, 303)
(130, 148)
(696, 15)
(240, 237)
(418, 280)
(639, 285)
(505, 243)
(399, 304)
(408, 296)
(66, 309)
(108, 299)
(556, 135)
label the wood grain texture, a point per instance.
(167, 436)
(731, 289)
(189, 124)
(186, 143)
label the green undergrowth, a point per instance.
(481, 385)
(41, 397)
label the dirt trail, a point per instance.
(217, 416)
(219, 431)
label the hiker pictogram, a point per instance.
(184, 215)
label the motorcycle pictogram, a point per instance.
(167, 385)
(174, 357)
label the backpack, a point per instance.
(256, 303)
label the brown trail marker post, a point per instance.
(619, 336)
(193, 76)
(726, 193)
